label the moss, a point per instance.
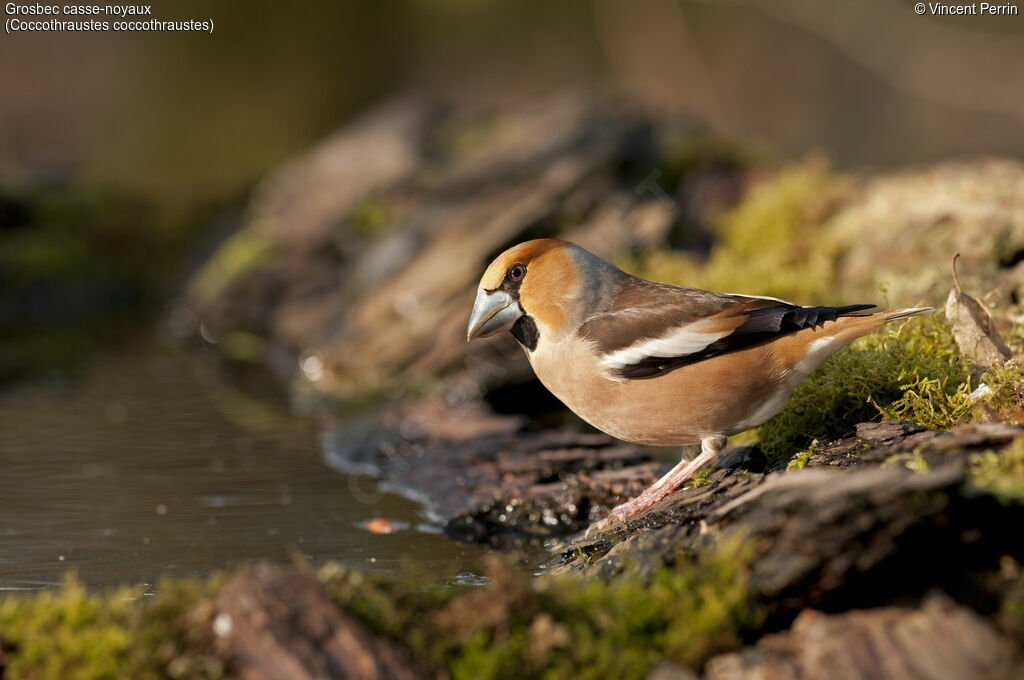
(913, 461)
(71, 634)
(771, 244)
(243, 346)
(1004, 401)
(700, 478)
(1000, 473)
(745, 437)
(244, 251)
(516, 627)
(372, 216)
(913, 372)
(932, 402)
(800, 460)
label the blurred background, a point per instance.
(176, 128)
(127, 158)
(186, 121)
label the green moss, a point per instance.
(700, 477)
(745, 437)
(1000, 473)
(771, 244)
(913, 461)
(1004, 401)
(932, 402)
(245, 250)
(913, 372)
(557, 627)
(243, 346)
(71, 634)
(800, 460)
(372, 216)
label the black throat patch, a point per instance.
(525, 331)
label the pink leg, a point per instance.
(710, 447)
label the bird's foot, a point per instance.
(621, 513)
(672, 480)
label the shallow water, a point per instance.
(147, 464)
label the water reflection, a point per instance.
(147, 465)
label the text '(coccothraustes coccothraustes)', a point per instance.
(654, 363)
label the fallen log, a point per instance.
(869, 534)
(275, 624)
(490, 480)
(939, 640)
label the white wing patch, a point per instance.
(817, 353)
(764, 297)
(684, 340)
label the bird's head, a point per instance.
(544, 286)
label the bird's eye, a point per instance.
(516, 272)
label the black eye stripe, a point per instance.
(514, 276)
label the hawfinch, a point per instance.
(653, 363)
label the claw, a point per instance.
(618, 514)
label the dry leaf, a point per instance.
(379, 525)
(975, 333)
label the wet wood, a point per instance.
(938, 641)
(867, 534)
(274, 624)
(503, 485)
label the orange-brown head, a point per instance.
(544, 286)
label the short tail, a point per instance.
(906, 313)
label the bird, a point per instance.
(654, 363)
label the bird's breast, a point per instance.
(715, 396)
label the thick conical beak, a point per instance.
(493, 312)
